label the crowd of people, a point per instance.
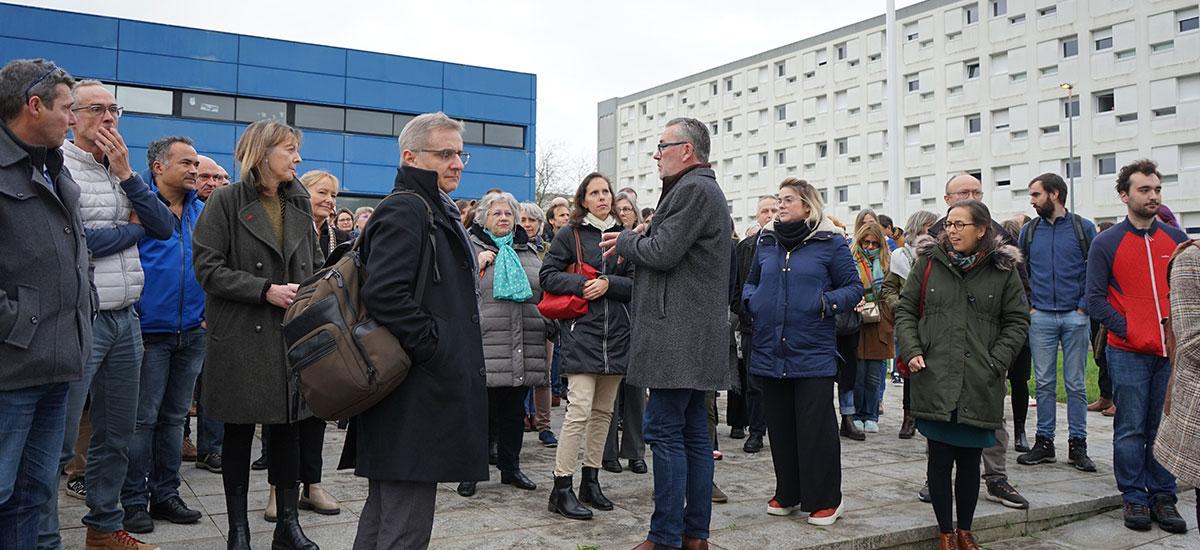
(127, 298)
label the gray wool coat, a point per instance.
(236, 256)
(514, 334)
(681, 288)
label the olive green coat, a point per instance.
(974, 323)
(236, 256)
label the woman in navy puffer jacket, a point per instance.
(802, 276)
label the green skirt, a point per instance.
(958, 435)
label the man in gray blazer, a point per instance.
(680, 300)
(46, 301)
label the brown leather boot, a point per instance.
(647, 545)
(1099, 405)
(908, 427)
(947, 541)
(966, 540)
(690, 543)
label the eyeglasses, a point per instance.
(53, 68)
(97, 110)
(501, 213)
(966, 194)
(870, 244)
(448, 154)
(664, 146)
(957, 226)
(217, 177)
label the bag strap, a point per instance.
(578, 246)
(1084, 244)
(428, 247)
(1027, 240)
(924, 287)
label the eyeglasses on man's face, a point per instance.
(448, 154)
(968, 194)
(214, 177)
(664, 146)
(956, 226)
(96, 110)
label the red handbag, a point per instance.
(568, 306)
(901, 362)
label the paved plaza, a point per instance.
(880, 480)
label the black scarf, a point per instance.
(791, 234)
(670, 181)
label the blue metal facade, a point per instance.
(126, 52)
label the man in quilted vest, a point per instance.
(117, 209)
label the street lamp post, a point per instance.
(1070, 140)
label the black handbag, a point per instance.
(849, 322)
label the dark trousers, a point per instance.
(942, 459)
(397, 514)
(805, 449)
(746, 406)
(632, 405)
(506, 421)
(312, 442)
(1018, 378)
(283, 462)
(1106, 390)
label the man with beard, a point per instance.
(1055, 246)
(1127, 291)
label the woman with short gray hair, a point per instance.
(918, 224)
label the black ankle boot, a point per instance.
(288, 535)
(589, 490)
(563, 501)
(239, 526)
(1020, 441)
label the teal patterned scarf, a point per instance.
(964, 262)
(509, 281)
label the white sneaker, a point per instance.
(870, 427)
(858, 424)
(823, 519)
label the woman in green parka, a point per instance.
(964, 284)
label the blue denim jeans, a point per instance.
(211, 433)
(168, 379)
(846, 402)
(866, 389)
(1047, 329)
(31, 436)
(1139, 387)
(676, 427)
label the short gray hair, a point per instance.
(696, 133)
(415, 135)
(534, 211)
(20, 74)
(485, 204)
(158, 149)
(623, 196)
(919, 223)
(83, 84)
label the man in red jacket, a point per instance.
(1127, 291)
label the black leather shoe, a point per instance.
(466, 488)
(850, 431)
(563, 501)
(517, 479)
(753, 444)
(589, 490)
(637, 466)
(175, 511)
(137, 520)
(737, 433)
(613, 466)
(260, 464)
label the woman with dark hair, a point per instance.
(1022, 368)
(961, 320)
(802, 275)
(253, 244)
(344, 221)
(595, 347)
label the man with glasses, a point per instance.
(45, 292)
(961, 187)
(211, 176)
(118, 209)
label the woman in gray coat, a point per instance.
(253, 243)
(514, 333)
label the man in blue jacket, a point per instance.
(172, 313)
(1056, 245)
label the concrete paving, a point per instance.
(880, 480)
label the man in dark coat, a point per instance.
(681, 293)
(433, 427)
(46, 299)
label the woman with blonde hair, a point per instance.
(875, 344)
(253, 244)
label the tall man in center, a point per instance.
(681, 330)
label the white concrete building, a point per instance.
(980, 93)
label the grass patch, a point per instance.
(1091, 381)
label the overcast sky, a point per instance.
(582, 53)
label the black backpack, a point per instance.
(1076, 222)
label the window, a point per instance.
(910, 32)
(729, 124)
(825, 196)
(1070, 108)
(972, 69)
(843, 194)
(729, 84)
(781, 113)
(1105, 102)
(1164, 111)
(642, 107)
(1189, 20)
(764, 75)
(712, 88)
(912, 135)
(843, 146)
(999, 7)
(250, 110)
(369, 122)
(400, 121)
(822, 57)
(1069, 46)
(913, 82)
(1002, 176)
(762, 160)
(320, 118)
(146, 100)
(840, 51)
(973, 124)
(1050, 130)
(914, 186)
(999, 63)
(1106, 164)
(781, 69)
(781, 156)
(971, 14)
(1071, 167)
(822, 149)
(670, 101)
(1016, 19)
(1049, 71)
(473, 133)
(822, 104)
(1047, 11)
(1102, 39)
(840, 100)
(212, 107)
(1000, 119)
(712, 127)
